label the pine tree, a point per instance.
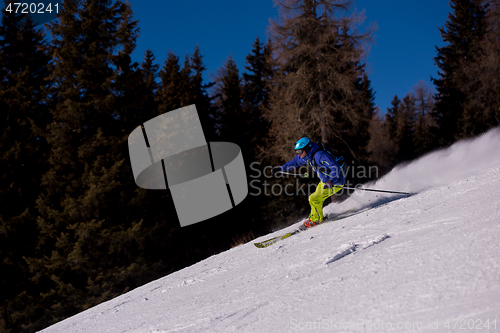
(23, 151)
(392, 119)
(256, 85)
(183, 86)
(465, 25)
(139, 92)
(401, 120)
(169, 94)
(382, 150)
(90, 244)
(248, 126)
(481, 108)
(149, 73)
(357, 134)
(318, 57)
(425, 130)
(406, 129)
(228, 100)
(258, 73)
(198, 95)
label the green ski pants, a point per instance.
(317, 199)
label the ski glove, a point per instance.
(328, 184)
(275, 170)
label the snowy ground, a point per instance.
(427, 263)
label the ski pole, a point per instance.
(372, 190)
(306, 175)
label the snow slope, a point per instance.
(430, 262)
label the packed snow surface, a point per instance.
(425, 263)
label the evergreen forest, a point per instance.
(75, 229)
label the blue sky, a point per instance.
(401, 56)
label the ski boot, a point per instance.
(310, 223)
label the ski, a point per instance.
(329, 218)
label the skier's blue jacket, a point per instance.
(324, 164)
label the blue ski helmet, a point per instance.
(303, 144)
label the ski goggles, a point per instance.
(299, 151)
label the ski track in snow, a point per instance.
(346, 249)
(426, 258)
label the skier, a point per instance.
(327, 169)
